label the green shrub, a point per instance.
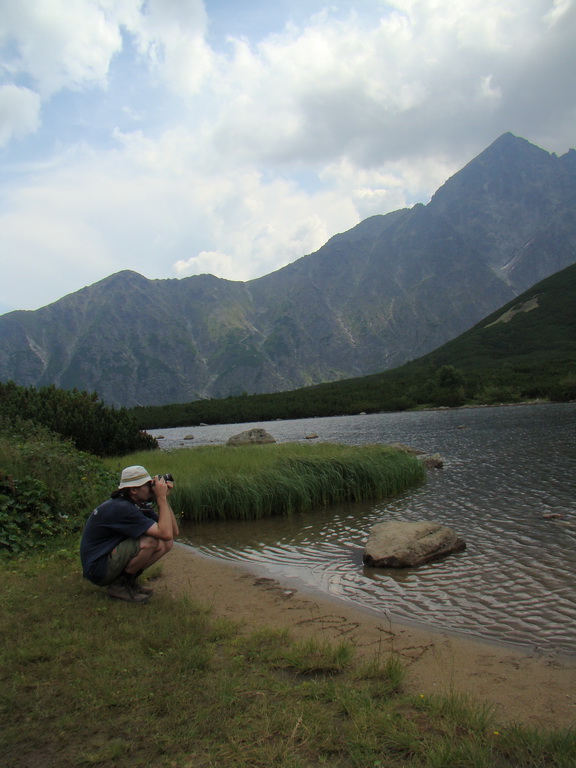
(28, 514)
(77, 416)
(564, 391)
(498, 394)
(47, 487)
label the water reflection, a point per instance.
(507, 470)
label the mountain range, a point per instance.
(392, 289)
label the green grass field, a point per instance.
(86, 681)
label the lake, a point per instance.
(508, 487)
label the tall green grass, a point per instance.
(255, 481)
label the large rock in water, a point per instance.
(251, 436)
(408, 545)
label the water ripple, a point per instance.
(508, 488)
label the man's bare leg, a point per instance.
(151, 550)
(126, 586)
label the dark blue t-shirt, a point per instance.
(109, 524)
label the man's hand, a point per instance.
(166, 527)
(160, 488)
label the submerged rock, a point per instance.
(434, 461)
(406, 449)
(408, 545)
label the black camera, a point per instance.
(168, 478)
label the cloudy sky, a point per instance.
(178, 137)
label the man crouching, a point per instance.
(124, 535)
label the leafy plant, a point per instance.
(47, 487)
(28, 514)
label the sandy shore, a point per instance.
(528, 688)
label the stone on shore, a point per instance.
(408, 545)
(255, 436)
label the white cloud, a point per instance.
(203, 263)
(171, 33)
(58, 44)
(146, 210)
(255, 154)
(428, 75)
(19, 112)
(560, 8)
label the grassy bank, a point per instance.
(254, 481)
(47, 487)
(89, 682)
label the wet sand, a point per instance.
(525, 686)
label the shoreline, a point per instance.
(295, 584)
(416, 409)
(524, 686)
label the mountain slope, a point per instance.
(538, 328)
(391, 289)
(525, 350)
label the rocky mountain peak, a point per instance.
(391, 289)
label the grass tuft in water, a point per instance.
(256, 481)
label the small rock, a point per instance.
(311, 436)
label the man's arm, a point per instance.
(166, 528)
(175, 529)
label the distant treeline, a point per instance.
(77, 416)
(408, 387)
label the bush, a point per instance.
(493, 394)
(28, 514)
(47, 487)
(78, 416)
(564, 391)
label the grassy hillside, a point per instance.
(537, 328)
(525, 350)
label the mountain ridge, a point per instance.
(523, 352)
(391, 289)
